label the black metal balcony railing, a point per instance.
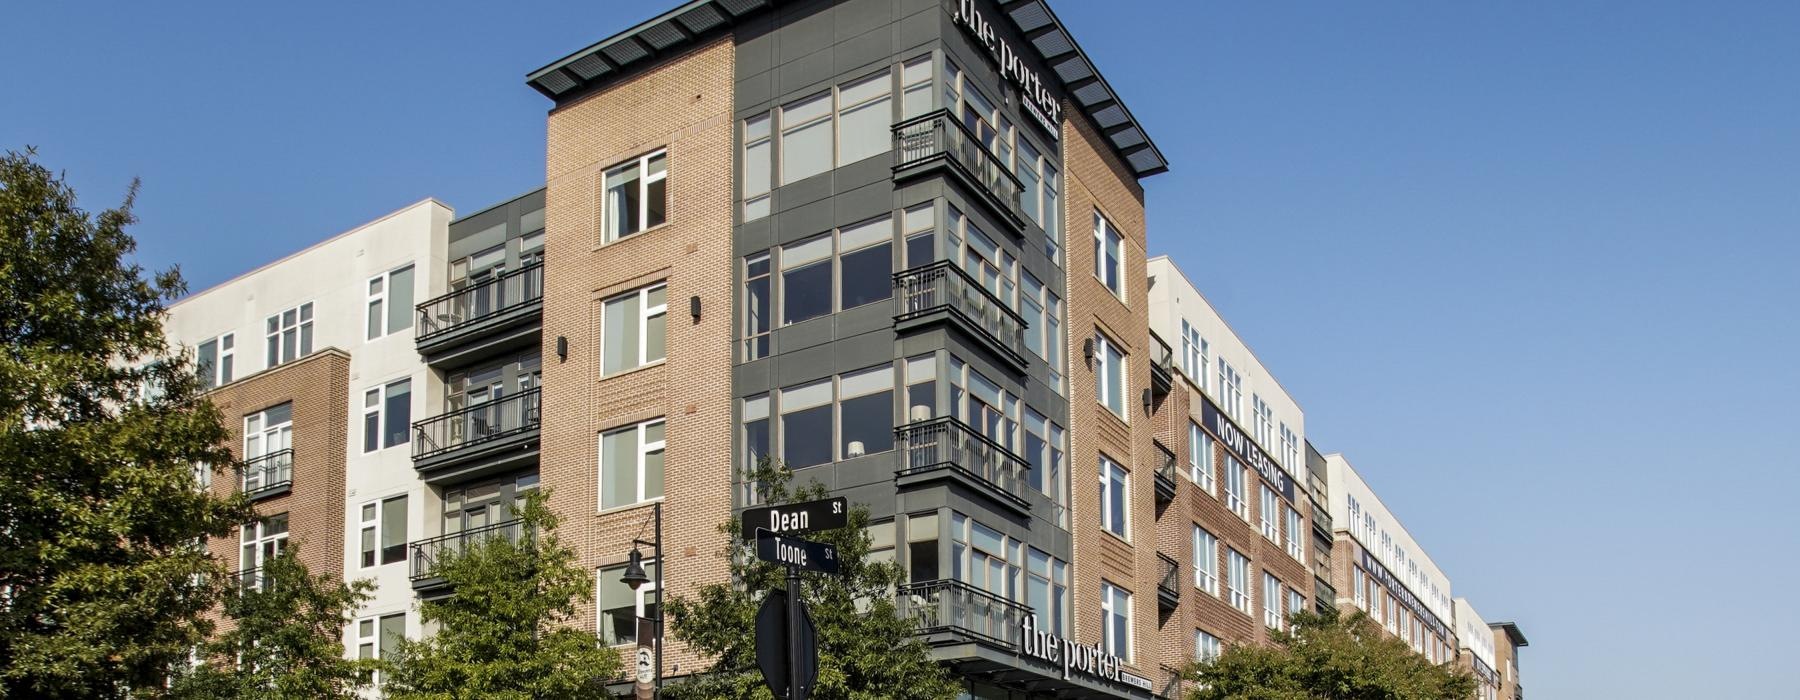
(268, 472)
(940, 135)
(1166, 469)
(947, 443)
(1162, 367)
(473, 425)
(427, 553)
(958, 608)
(1168, 581)
(481, 301)
(250, 580)
(1321, 520)
(942, 286)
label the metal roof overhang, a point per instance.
(687, 24)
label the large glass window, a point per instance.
(1200, 458)
(920, 231)
(915, 87)
(1237, 495)
(1206, 646)
(631, 464)
(383, 535)
(214, 360)
(1193, 354)
(289, 335)
(806, 279)
(1271, 601)
(861, 417)
(637, 196)
(390, 304)
(921, 388)
(1047, 590)
(1237, 580)
(1115, 497)
(1264, 420)
(759, 314)
(620, 606)
(1109, 374)
(865, 118)
(259, 542)
(267, 435)
(387, 415)
(377, 637)
(1115, 620)
(805, 137)
(866, 259)
(759, 164)
(866, 411)
(1268, 512)
(1206, 561)
(806, 435)
(635, 329)
(1109, 256)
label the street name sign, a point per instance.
(797, 518)
(795, 552)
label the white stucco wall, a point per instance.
(1472, 633)
(1429, 583)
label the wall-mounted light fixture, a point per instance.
(1147, 401)
(694, 307)
(1087, 352)
(562, 348)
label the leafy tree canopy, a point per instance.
(1322, 657)
(867, 650)
(101, 426)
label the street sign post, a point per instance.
(796, 553)
(797, 518)
(777, 654)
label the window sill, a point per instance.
(629, 506)
(634, 370)
(627, 239)
(1117, 536)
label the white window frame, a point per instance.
(379, 394)
(1237, 478)
(1356, 586)
(1263, 415)
(253, 535)
(644, 181)
(374, 526)
(1271, 601)
(1103, 347)
(224, 359)
(1115, 602)
(1231, 389)
(1268, 512)
(1237, 583)
(1109, 468)
(1200, 459)
(640, 595)
(380, 289)
(644, 448)
(303, 323)
(1296, 539)
(1105, 234)
(372, 640)
(645, 313)
(759, 132)
(1206, 561)
(1296, 601)
(1206, 646)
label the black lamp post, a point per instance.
(636, 578)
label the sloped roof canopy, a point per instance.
(675, 30)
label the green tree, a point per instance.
(504, 634)
(286, 641)
(866, 648)
(1323, 657)
(100, 428)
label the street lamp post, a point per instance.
(635, 578)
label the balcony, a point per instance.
(492, 317)
(1168, 583)
(425, 554)
(938, 140)
(945, 448)
(1165, 475)
(941, 291)
(949, 611)
(1321, 521)
(1162, 369)
(268, 476)
(482, 439)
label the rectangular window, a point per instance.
(387, 415)
(390, 303)
(861, 417)
(844, 269)
(866, 261)
(1052, 216)
(268, 443)
(1265, 422)
(866, 411)
(1231, 390)
(631, 464)
(1271, 601)
(1115, 620)
(806, 279)
(636, 196)
(805, 137)
(1236, 488)
(757, 444)
(806, 435)
(1237, 581)
(759, 165)
(1269, 513)
(1296, 539)
(1109, 256)
(1296, 602)
(1206, 646)
(1109, 375)
(383, 536)
(1115, 498)
(1047, 589)
(919, 227)
(289, 335)
(1206, 561)
(634, 329)
(377, 637)
(915, 87)
(620, 606)
(1200, 459)
(1356, 588)
(1290, 449)
(259, 542)
(1030, 196)
(759, 316)
(213, 360)
(865, 118)
(1193, 354)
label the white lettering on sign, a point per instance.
(1072, 657)
(1043, 106)
(789, 554)
(786, 522)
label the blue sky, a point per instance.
(1530, 265)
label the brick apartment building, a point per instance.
(834, 233)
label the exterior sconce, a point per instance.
(562, 348)
(694, 307)
(1087, 352)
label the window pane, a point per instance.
(399, 412)
(756, 168)
(393, 629)
(656, 203)
(805, 151)
(393, 530)
(806, 432)
(868, 276)
(806, 292)
(653, 470)
(865, 130)
(205, 361)
(371, 431)
(869, 420)
(376, 318)
(618, 468)
(400, 297)
(622, 202)
(620, 343)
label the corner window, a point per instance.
(289, 335)
(1109, 375)
(387, 415)
(1109, 256)
(1115, 620)
(214, 360)
(866, 411)
(390, 305)
(383, 535)
(636, 196)
(620, 606)
(634, 329)
(1115, 498)
(631, 464)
